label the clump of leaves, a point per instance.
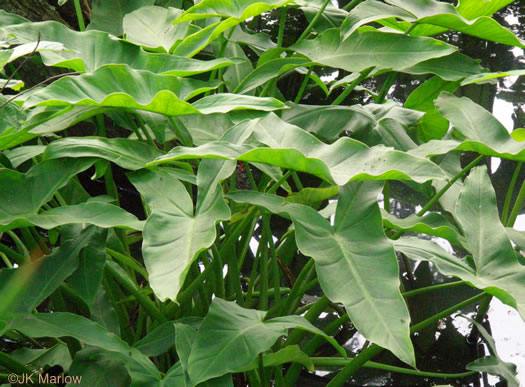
(199, 214)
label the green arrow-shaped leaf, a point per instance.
(496, 267)
(349, 257)
(231, 337)
(87, 51)
(372, 48)
(174, 233)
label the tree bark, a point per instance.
(34, 10)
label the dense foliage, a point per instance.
(172, 215)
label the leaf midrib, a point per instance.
(360, 284)
(239, 334)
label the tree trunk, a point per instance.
(42, 10)
(34, 10)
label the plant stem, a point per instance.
(309, 285)
(263, 266)
(143, 300)
(386, 196)
(128, 261)
(313, 313)
(146, 292)
(441, 192)
(510, 191)
(271, 293)
(392, 76)
(409, 29)
(188, 292)
(114, 294)
(352, 86)
(386, 87)
(80, 17)
(245, 244)
(220, 289)
(444, 313)
(331, 329)
(341, 362)
(39, 240)
(267, 87)
(203, 302)
(220, 53)
(437, 196)
(276, 279)
(517, 206)
(234, 275)
(351, 5)
(142, 126)
(29, 239)
(303, 289)
(282, 23)
(297, 181)
(310, 347)
(182, 133)
(140, 324)
(419, 291)
(60, 199)
(13, 365)
(305, 273)
(353, 366)
(254, 379)
(250, 175)
(7, 263)
(12, 255)
(253, 273)
(233, 183)
(261, 370)
(317, 16)
(137, 132)
(303, 86)
(233, 237)
(480, 315)
(19, 245)
(279, 182)
(134, 238)
(279, 380)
